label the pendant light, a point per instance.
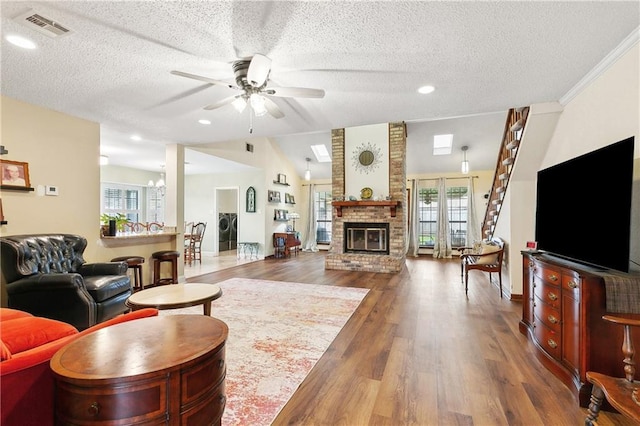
(464, 168)
(307, 173)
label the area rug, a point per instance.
(277, 332)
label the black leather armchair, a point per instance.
(47, 276)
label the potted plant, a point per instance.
(120, 219)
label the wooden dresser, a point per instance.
(166, 370)
(563, 305)
(291, 243)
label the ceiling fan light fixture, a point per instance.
(257, 104)
(239, 104)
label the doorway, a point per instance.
(227, 219)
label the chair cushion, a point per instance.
(103, 287)
(22, 334)
(486, 248)
(7, 314)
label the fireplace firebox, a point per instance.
(372, 238)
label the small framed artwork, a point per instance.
(251, 200)
(15, 173)
(274, 196)
(286, 198)
(282, 178)
(291, 200)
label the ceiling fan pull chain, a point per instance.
(250, 120)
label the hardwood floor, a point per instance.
(418, 352)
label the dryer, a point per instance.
(224, 229)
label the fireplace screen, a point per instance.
(366, 238)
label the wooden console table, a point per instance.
(159, 370)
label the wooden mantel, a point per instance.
(392, 204)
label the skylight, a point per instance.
(321, 153)
(442, 144)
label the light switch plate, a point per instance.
(51, 190)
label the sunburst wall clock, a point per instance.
(366, 158)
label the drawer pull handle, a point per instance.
(553, 277)
(94, 409)
(552, 296)
(552, 343)
(221, 363)
(552, 319)
(223, 399)
(573, 284)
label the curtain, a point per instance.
(442, 246)
(473, 228)
(310, 244)
(412, 234)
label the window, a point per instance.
(137, 203)
(323, 211)
(457, 202)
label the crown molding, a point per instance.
(602, 66)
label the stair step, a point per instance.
(503, 176)
(507, 161)
(513, 144)
(517, 126)
(500, 189)
(495, 202)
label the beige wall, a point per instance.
(62, 151)
(604, 112)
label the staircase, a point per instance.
(513, 130)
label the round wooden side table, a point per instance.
(158, 370)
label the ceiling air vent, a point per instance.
(42, 24)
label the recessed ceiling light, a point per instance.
(426, 89)
(204, 121)
(136, 138)
(21, 42)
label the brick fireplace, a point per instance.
(376, 213)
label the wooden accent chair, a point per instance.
(192, 249)
(487, 258)
(622, 393)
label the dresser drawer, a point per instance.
(129, 404)
(547, 293)
(211, 407)
(571, 285)
(547, 273)
(547, 314)
(548, 339)
(202, 377)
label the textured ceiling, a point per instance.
(369, 57)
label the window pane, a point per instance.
(457, 203)
(322, 202)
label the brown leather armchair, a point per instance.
(47, 276)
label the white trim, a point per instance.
(602, 66)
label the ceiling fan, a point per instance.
(252, 78)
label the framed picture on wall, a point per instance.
(15, 173)
(282, 178)
(251, 200)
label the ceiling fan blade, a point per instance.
(258, 71)
(294, 92)
(221, 103)
(205, 79)
(272, 108)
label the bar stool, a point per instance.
(159, 257)
(134, 263)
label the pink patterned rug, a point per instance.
(277, 332)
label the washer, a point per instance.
(233, 231)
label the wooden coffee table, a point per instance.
(173, 296)
(158, 370)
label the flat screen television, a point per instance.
(583, 207)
